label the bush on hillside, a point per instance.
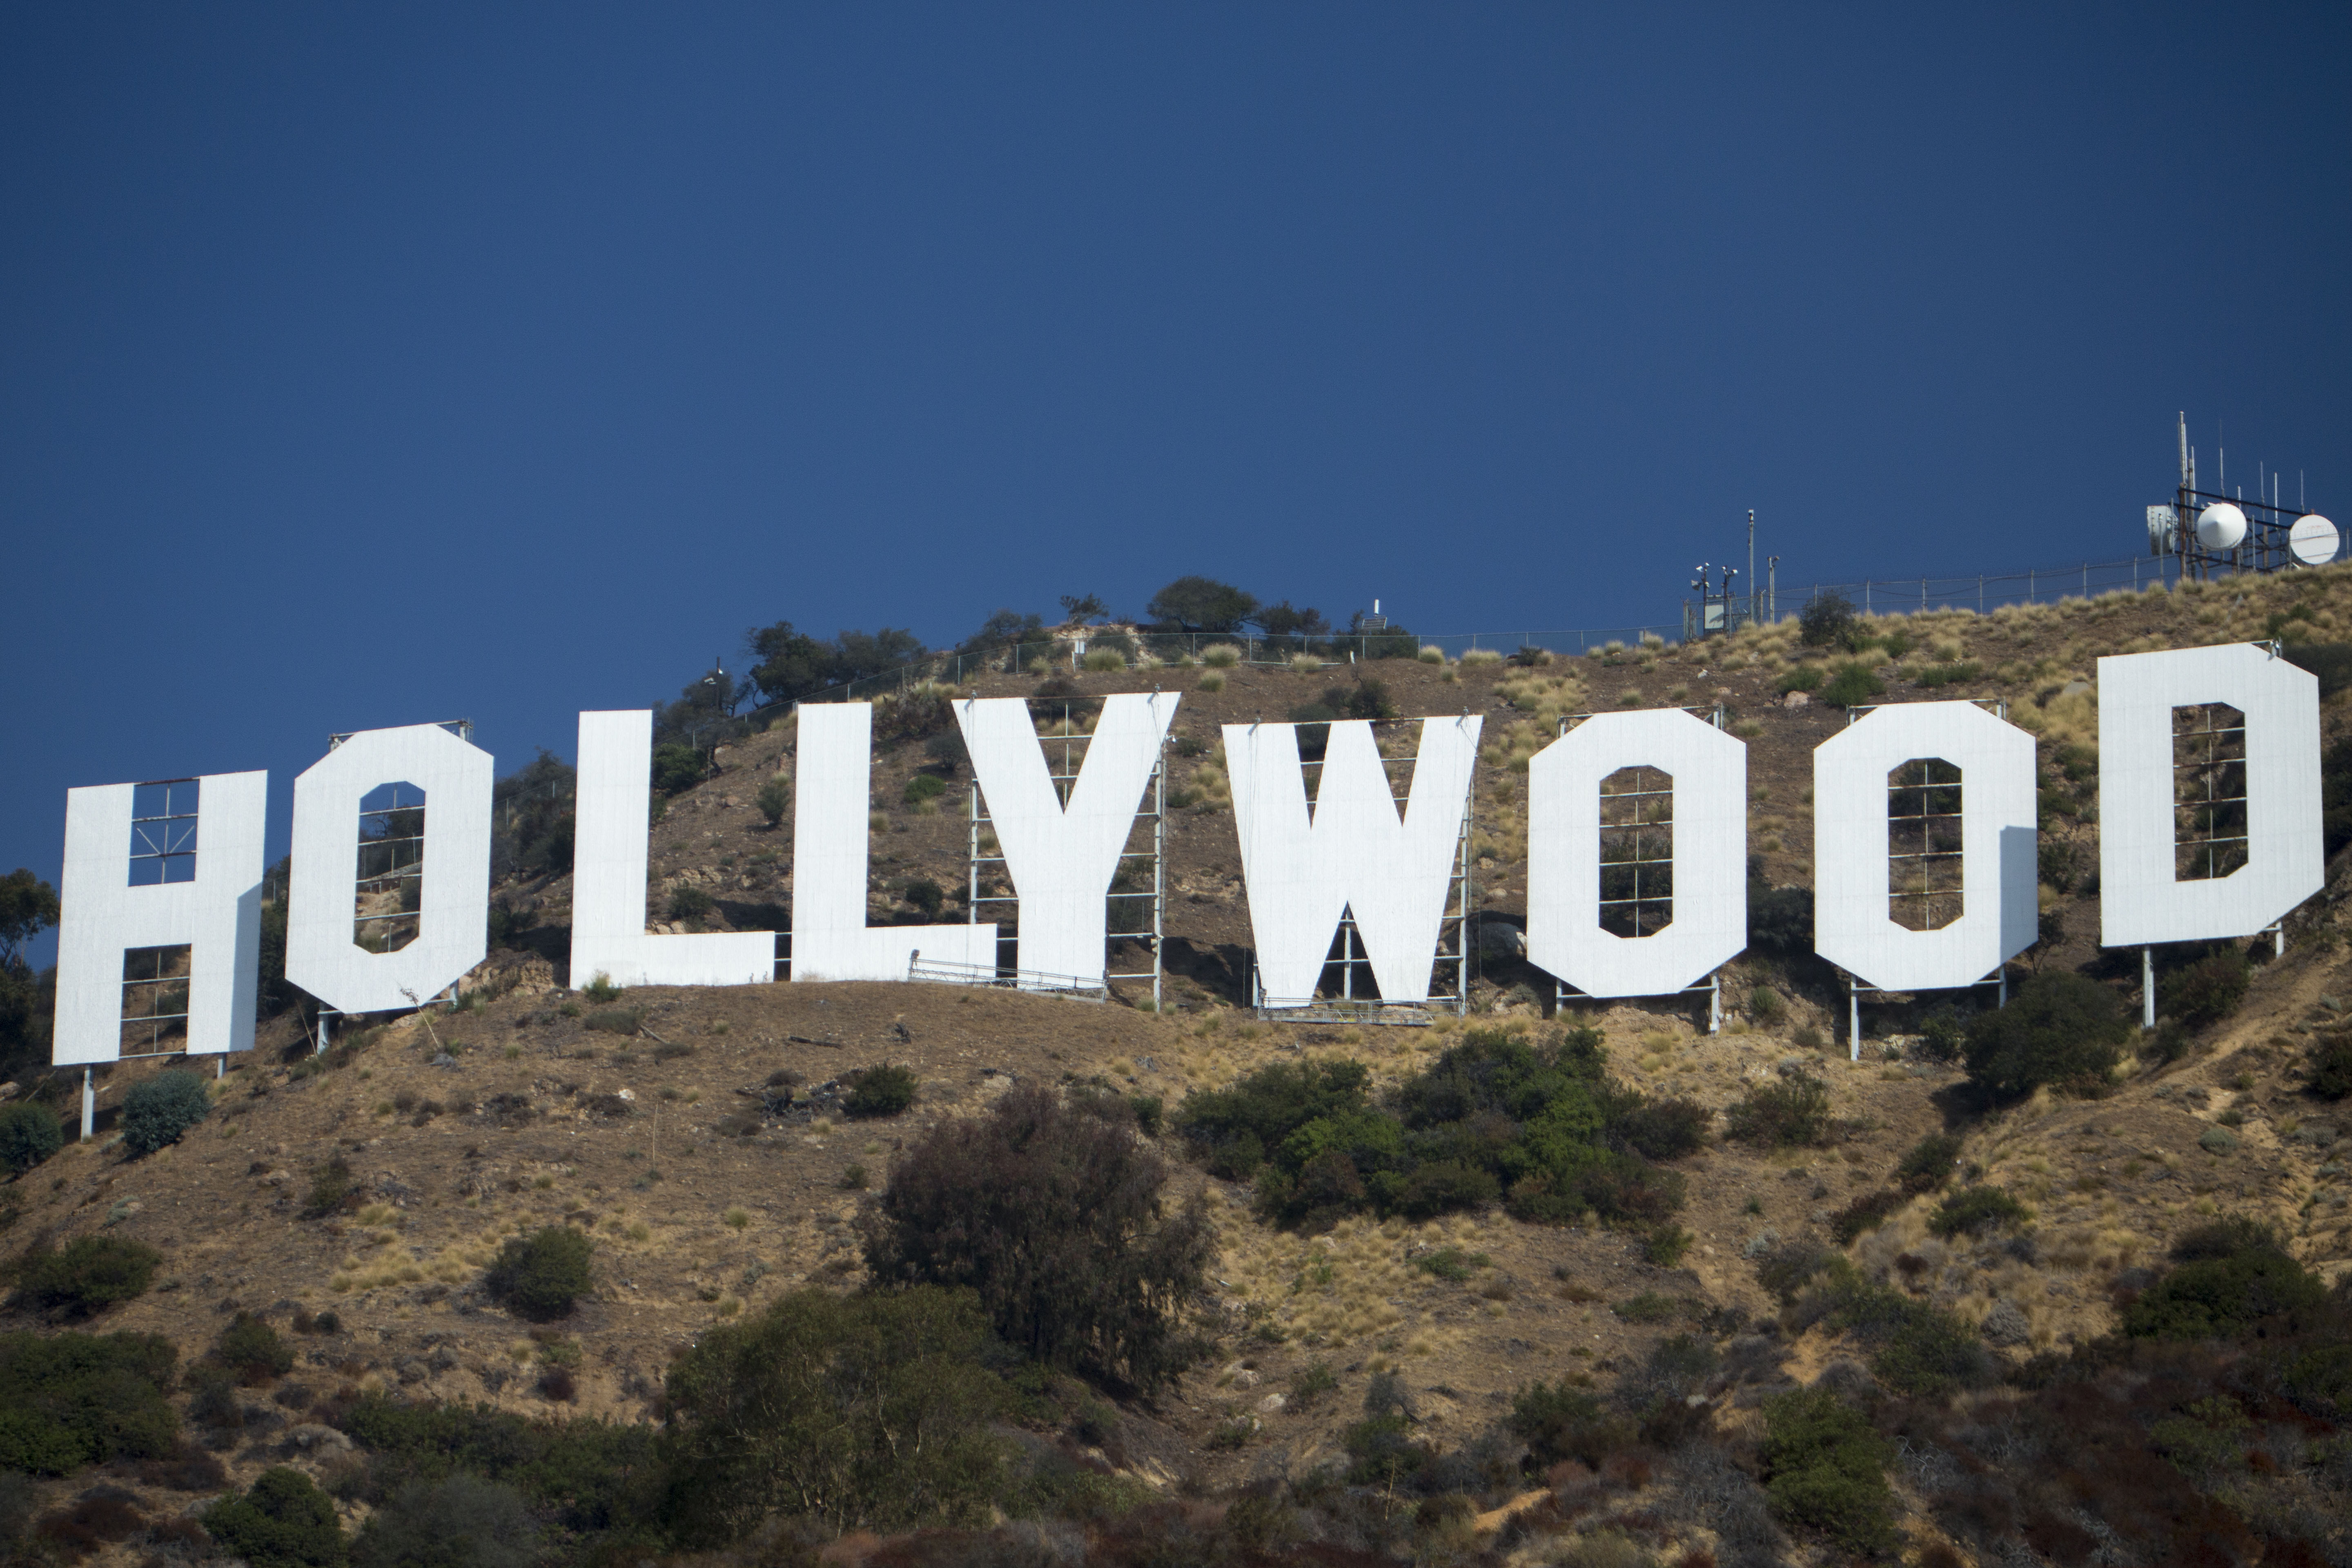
(1866, 1213)
(2061, 1028)
(691, 904)
(69, 1400)
(1825, 1470)
(463, 1522)
(1056, 1216)
(1492, 1115)
(541, 1275)
(1789, 1114)
(1975, 1211)
(284, 1521)
(881, 1089)
(2230, 1276)
(1854, 685)
(162, 1109)
(1559, 1422)
(1826, 621)
(87, 1275)
(253, 1350)
(774, 800)
(2208, 990)
(1929, 1164)
(1780, 919)
(585, 1476)
(677, 766)
(29, 1133)
(1943, 1034)
(860, 1412)
(2330, 1072)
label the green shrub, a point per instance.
(1866, 1213)
(29, 1133)
(1825, 1470)
(676, 766)
(332, 1190)
(1789, 1113)
(600, 989)
(70, 1399)
(284, 1521)
(926, 894)
(881, 1089)
(540, 1277)
(1852, 685)
(1560, 1422)
(1451, 1263)
(1649, 1307)
(2208, 990)
(88, 1273)
(1977, 1210)
(622, 1021)
(1942, 1034)
(1663, 1246)
(1234, 1127)
(1917, 1349)
(774, 800)
(1929, 1164)
(1950, 674)
(813, 1408)
(463, 1522)
(2061, 1028)
(691, 904)
(252, 1349)
(1764, 1005)
(587, 1476)
(1803, 678)
(160, 1110)
(2230, 1276)
(1054, 1214)
(1826, 621)
(1789, 1268)
(2330, 1073)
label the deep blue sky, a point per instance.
(369, 365)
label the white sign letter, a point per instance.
(1062, 858)
(1355, 856)
(608, 875)
(2250, 837)
(1708, 815)
(832, 803)
(1965, 888)
(145, 877)
(334, 849)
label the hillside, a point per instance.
(652, 1123)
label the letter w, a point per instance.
(1354, 855)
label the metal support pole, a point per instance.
(1853, 1021)
(89, 1107)
(1714, 1004)
(2147, 988)
(220, 1067)
(2278, 940)
(2004, 987)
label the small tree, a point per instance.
(541, 1276)
(881, 1089)
(162, 1109)
(1793, 1112)
(2061, 1028)
(253, 1350)
(1055, 1216)
(1201, 604)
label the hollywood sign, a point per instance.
(138, 881)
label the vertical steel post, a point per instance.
(1714, 1004)
(2147, 988)
(1159, 867)
(89, 1107)
(1853, 1021)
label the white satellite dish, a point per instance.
(2312, 539)
(2221, 526)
